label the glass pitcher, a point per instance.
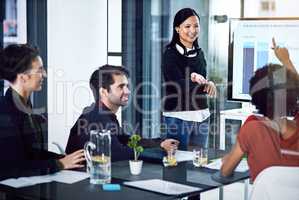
(98, 156)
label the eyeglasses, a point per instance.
(38, 71)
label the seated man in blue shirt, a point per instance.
(110, 88)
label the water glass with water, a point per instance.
(98, 156)
(170, 159)
(200, 157)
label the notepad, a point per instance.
(162, 186)
(64, 176)
(182, 156)
(216, 164)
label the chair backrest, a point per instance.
(276, 183)
(59, 147)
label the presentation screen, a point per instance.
(250, 45)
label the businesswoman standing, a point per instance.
(22, 150)
(184, 103)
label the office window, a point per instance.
(14, 27)
(14, 23)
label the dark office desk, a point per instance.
(78, 191)
(184, 173)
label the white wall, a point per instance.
(283, 8)
(114, 26)
(77, 45)
(114, 36)
(287, 8)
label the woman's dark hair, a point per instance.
(179, 18)
(16, 59)
(103, 77)
(275, 91)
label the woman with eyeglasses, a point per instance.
(22, 148)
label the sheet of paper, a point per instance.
(64, 176)
(68, 176)
(183, 155)
(161, 186)
(216, 164)
(25, 181)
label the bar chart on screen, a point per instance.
(251, 48)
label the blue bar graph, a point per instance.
(262, 54)
(248, 65)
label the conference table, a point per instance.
(184, 173)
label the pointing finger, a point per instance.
(273, 43)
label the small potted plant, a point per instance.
(135, 165)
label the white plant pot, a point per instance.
(135, 166)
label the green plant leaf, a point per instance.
(130, 145)
(135, 138)
(139, 149)
(133, 143)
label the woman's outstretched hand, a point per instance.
(210, 89)
(169, 144)
(73, 160)
(282, 54)
(197, 78)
